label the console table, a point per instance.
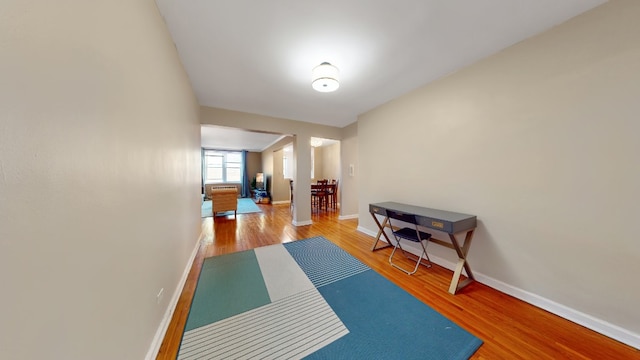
(448, 222)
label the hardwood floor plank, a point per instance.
(510, 328)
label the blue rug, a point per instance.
(310, 299)
(245, 206)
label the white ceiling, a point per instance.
(256, 56)
(225, 138)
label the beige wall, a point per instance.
(273, 166)
(254, 164)
(331, 161)
(279, 187)
(318, 164)
(267, 168)
(348, 187)
(99, 178)
(540, 142)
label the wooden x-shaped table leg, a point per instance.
(381, 232)
(462, 263)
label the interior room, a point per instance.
(519, 115)
(269, 155)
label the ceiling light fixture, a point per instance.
(325, 78)
(315, 142)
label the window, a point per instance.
(222, 166)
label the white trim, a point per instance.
(591, 322)
(274, 142)
(347, 217)
(302, 223)
(171, 307)
(280, 202)
(598, 325)
(367, 231)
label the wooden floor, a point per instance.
(510, 328)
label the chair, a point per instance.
(291, 196)
(320, 195)
(223, 199)
(333, 193)
(410, 234)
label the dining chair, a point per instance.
(333, 193)
(320, 195)
(291, 196)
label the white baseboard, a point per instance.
(281, 202)
(346, 217)
(367, 231)
(598, 325)
(302, 223)
(164, 325)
